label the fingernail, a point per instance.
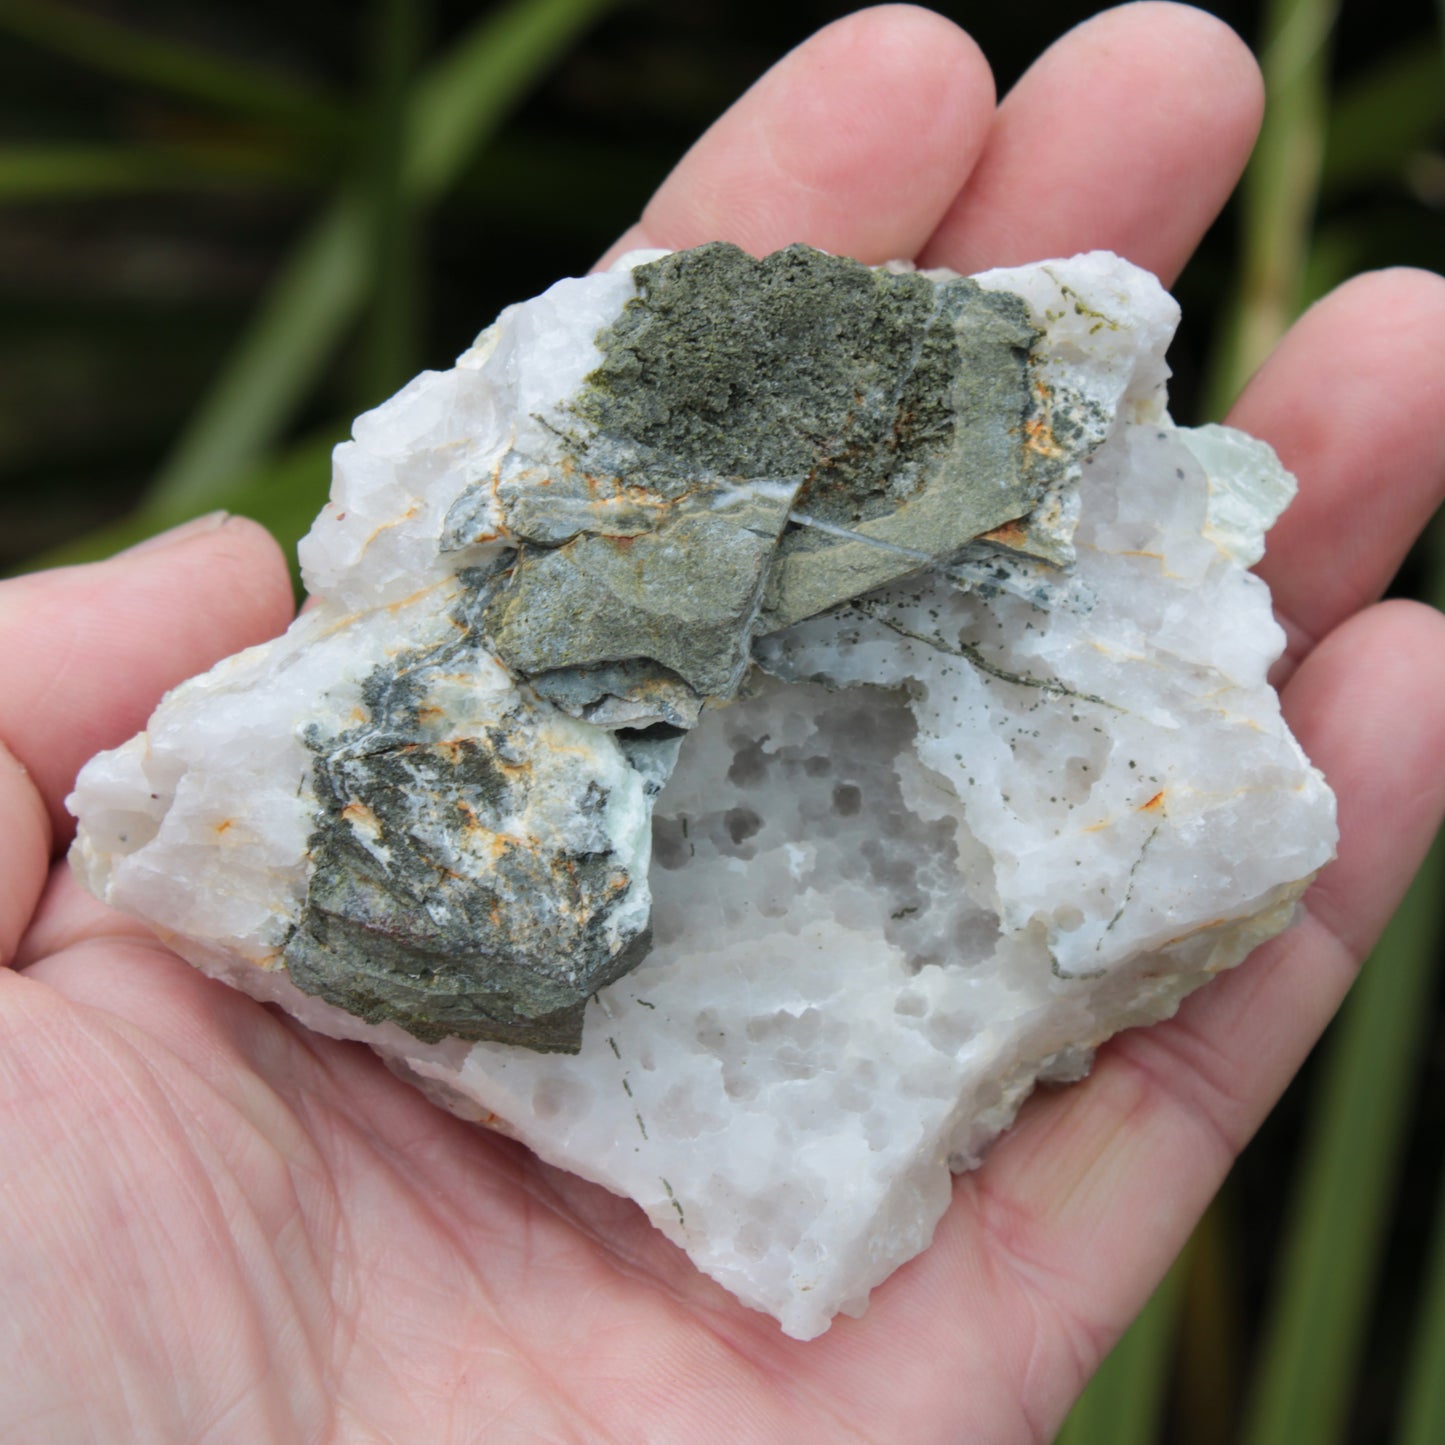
(194, 528)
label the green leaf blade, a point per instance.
(117, 50)
(1124, 1401)
(323, 286)
(1339, 1217)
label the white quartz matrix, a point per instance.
(947, 840)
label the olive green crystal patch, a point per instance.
(762, 440)
(621, 695)
(682, 596)
(510, 951)
(726, 366)
(463, 885)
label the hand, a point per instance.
(214, 1225)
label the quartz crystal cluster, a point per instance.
(759, 718)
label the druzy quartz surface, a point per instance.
(759, 719)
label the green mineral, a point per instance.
(761, 441)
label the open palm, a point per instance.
(215, 1226)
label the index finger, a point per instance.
(856, 142)
(89, 650)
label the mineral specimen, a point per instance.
(924, 633)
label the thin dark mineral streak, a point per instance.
(762, 441)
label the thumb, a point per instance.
(89, 650)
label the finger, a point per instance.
(25, 825)
(1126, 135)
(1083, 1206)
(855, 142)
(66, 915)
(1369, 708)
(89, 650)
(1351, 401)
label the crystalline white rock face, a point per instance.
(922, 845)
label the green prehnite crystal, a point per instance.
(437, 898)
(761, 441)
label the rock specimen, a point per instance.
(761, 716)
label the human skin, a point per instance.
(216, 1226)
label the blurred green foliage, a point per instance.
(225, 229)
